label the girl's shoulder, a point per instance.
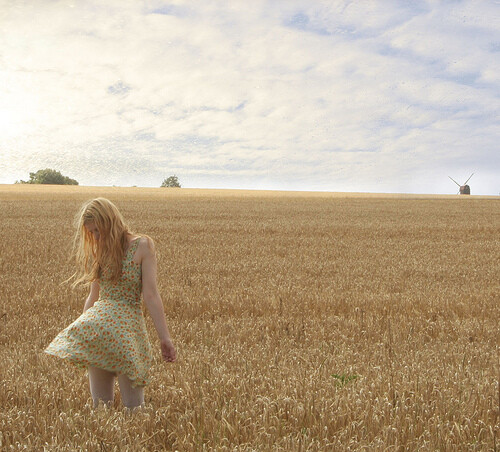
(144, 241)
(145, 247)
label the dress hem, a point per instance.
(86, 364)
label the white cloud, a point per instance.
(344, 96)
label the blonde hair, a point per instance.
(93, 257)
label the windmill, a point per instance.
(464, 189)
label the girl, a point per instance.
(110, 337)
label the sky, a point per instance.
(343, 96)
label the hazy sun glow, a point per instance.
(18, 111)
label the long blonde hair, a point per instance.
(92, 256)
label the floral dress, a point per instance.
(112, 334)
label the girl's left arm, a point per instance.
(153, 301)
(93, 295)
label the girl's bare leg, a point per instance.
(101, 385)
(131, 397)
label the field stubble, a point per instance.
(302, 322)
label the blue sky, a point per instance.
(375, 96)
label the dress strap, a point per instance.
(133, 247)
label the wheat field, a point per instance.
(303, 322)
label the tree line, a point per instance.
(54, 177)
(48, 176)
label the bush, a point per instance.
(171, 181)
(48, 176)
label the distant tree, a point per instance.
(171, 181)
(48, 176)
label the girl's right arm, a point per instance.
(93, 295)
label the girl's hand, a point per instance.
(168, 351)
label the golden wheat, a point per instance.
(303, 322)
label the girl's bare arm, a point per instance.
(153, 301)
(93, 295)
